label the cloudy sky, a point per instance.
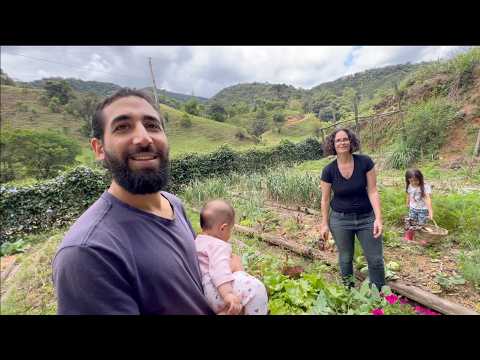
(205, 70)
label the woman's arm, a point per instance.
(326, 188)
(375, 201)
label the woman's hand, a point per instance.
(377, 228)
(324, 231)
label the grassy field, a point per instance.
(295, 132)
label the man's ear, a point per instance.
(97, 147)
(223, 226)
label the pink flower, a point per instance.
(392, 299)
(403, 301)
(378, 312)
(425, 311)
(420, 309)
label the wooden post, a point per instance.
(476, 152)
(372, 134)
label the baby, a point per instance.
(227, 287)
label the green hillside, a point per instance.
(96, 87)
(257, 94)
(370, 81)
(203, 136)
(21, 109)
(105, 89)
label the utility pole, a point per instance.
(154, 87)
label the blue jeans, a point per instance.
(344, 227)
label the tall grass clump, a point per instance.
(197, 193)
(425, 130)
(291, 187)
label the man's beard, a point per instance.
(143, 181)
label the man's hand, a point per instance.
(377, 228)
(234, 306)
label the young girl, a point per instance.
(418, 202)
(228, 289)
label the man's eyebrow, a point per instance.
(152, 118)
(119, 118)
(124, 117)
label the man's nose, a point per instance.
(141, 136)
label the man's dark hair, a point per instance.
(216, 212)
(98, 123)
(329, 144)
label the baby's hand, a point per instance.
(236, 263)
(233, 304)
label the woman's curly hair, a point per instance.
(329, 144)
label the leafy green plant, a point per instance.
(10, 248)
(448, 283)
(469, 264)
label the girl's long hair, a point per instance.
(415, 173)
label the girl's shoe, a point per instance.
(408, 235)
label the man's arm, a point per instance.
(91, 281)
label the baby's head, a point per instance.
(217, 218)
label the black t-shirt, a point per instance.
(350, 196)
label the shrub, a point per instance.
(21, 107)
(462, 65)
(186, 121)
(59, 201)
(54, 105)
(425, 129)
(470, 267)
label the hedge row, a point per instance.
(59, 201)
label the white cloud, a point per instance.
(208, 69)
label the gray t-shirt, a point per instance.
(415, 196)
(117, 259)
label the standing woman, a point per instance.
(355, 207)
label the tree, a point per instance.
(5, 79)
(217, 112)
(186, 121)
(191, 107)
(39, 154)
(59, 89)
(54, 105)
(260, 124)
(279, 120)
(84, 107)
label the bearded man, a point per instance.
(132, 251)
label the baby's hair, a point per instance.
(415, 173)
(216, 212)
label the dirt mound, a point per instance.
(294, 119)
